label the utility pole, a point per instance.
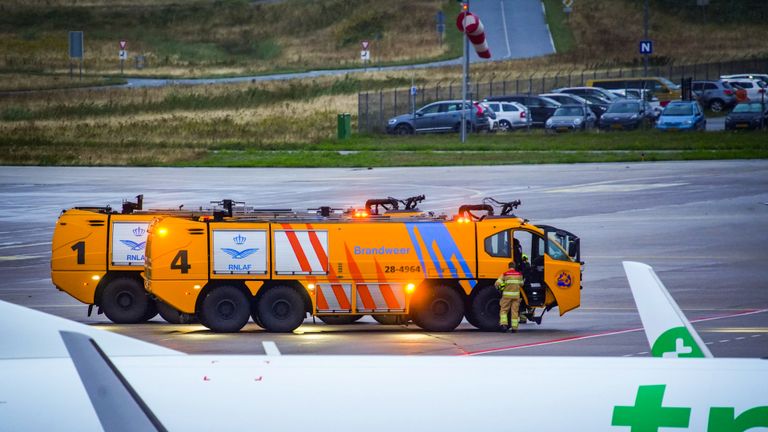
(645, 36)
(464, 80)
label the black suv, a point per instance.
(541, 108)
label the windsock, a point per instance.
(469, 23)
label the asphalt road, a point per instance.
(702, 225)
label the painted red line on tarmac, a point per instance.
(608, 333)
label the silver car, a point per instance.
(571, 118)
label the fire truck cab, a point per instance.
(277, 267)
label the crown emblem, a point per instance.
(239, 239)
(139, 231)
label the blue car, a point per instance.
(682, 116)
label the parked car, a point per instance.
(627, 115)
(682, 115)
(661, 87)
(541, 108)
(571, 117)
(761, 77)
(747, 115)
(509, 115)
(589, 91)
(597, 105)
(755, 88)
(715, 95)
(443, 116)
(645, 95)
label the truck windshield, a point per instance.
(556, 247)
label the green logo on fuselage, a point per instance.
(676, 342)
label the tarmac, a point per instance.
(701, 225)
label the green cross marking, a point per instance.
(648, 415)
(676, 342)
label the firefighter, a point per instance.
(509, 284)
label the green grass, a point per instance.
(375, 151)
(558, 25)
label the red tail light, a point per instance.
(664, 103)
(479, 112)
(728, 92)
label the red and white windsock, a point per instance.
(469, 23)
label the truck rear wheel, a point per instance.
(172, 315)
(438, 309)
(339, 319)
(225, 309)
(124, 301)
(484, 309)
(280, 309)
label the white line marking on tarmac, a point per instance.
(755, 335)
(740, 338)
(22, 245)
(270, 348)
(724, 340)
(19, 257)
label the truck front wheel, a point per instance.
(439, 308)
(484, 308)
(225, 309)
(280, 309)
(124, 301)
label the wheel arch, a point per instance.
(213, 284)
(109, 277)
(293, 284)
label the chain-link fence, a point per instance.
(374, 108)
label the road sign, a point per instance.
(123, 44)
(76, 44)
(440, 17)
(123, 54)
(646, 47)
(414, 90)
(568, 3)
(365, 45)
(365, 55)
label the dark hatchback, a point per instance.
(541, 108)
(627, 115)
(747, 115)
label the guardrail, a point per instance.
(374, 108)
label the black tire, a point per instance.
(172, 315)
(438, 308)
(280, 309)
(339, 319)
(505, 126)
(391, 319)
(484, 308)
(124, 301)
(716, 105)
(404, 129)
(225, 309)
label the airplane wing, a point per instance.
(668, 331)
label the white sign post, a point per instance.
(365, 54)
(123, 54)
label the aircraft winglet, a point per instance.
(668, 331)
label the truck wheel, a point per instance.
(225, 309)
(438, 309)
(339, 319)
(151, 311)
(391, 319)
(124, 301)
(484, 308)
(172, 315)
(281, 309)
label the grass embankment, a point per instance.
(558, 26)
(222, 37)
(237, 149)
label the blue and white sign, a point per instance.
(414, 90)
(240, 251)
(646, 47)
(76, 44)
(129, 240)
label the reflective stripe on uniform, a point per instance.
(513, 294)
(503, 319)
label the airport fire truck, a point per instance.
(277, 266)
(98, 255)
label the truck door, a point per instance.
(562, 267)
(494, 250)
(532, 246)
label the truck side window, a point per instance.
(497, 245)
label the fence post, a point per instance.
(359, 117)
(367, 119)
(394, 107)
(381, 110)
(530, 84)
(490, 87)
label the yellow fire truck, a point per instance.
(98, 255)
(277, 267)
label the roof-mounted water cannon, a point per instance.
(506, 207)
(227, 207)
(466, 214)
(374, 206)
(326, 211)
(129, 207)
